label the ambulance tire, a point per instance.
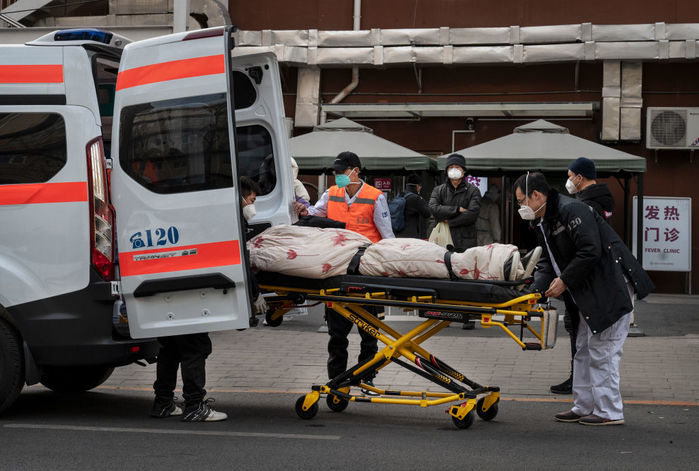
(11, 365)
(72, 379)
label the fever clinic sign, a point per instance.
(666, 231)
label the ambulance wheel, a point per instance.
(490, 413)
(273, 322)
(464, 423)
(64, 379)
(306, 414)
(336, 404)
(11, 365)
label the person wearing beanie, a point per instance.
(416, 212)
(582, 183)
(458, 203)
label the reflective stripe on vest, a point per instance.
(359, 216)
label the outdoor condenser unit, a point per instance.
(672, 128)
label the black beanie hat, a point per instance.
(414, 179)
(456, 159)
(583, 166)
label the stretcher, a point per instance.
(440, 302)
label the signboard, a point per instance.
(480, 182)
(382, 183)
(666, 232)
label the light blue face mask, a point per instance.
(342, 180)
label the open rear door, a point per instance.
(174, 183)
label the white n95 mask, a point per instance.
(570, 186)
(455, 173)
(249, 212)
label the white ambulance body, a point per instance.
(173, 198)
(180, 230)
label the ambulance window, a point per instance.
(244, 93)
(32, 147)
(256, 156)
(176, 146)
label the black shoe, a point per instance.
(566, 387)
(203, 412)
(162, 409)
(469, 325)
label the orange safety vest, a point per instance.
(359, 216)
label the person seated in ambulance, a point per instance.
(363, 209)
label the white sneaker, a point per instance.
(204, 413)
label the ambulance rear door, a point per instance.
(174, 180)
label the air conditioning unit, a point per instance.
(672, 128)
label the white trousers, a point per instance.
(596, 369)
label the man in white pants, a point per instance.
(586, 263)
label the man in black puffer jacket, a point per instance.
(457, 202)
(581, 182)
(586, 262)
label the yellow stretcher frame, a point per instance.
(484, 399)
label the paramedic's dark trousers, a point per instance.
(338, 329)
(188, 352)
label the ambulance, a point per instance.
(120, 215)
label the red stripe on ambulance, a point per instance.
(191, 257)
(185, 68)
(43, 73)
(37, 193)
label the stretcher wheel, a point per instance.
(273, 322)
(464, 423)
(336, 404)
(306, 414)
(490, 413)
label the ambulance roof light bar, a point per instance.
(81, 36)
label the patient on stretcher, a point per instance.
(312, 252)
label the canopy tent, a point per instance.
(541, 145)
(316, 151)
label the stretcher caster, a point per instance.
(270, 321)
(486, 414)
(307, 413)
(464, 423)
(336, 404)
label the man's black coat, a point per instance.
(593, 260)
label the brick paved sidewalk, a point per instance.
(264, 358)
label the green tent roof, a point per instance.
(317, 150)
(541, 145)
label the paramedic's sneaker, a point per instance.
(203, 413)
(566, 387)
(162, 409)
(567, 416)
(369, 392)
(592, 419)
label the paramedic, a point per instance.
(581, 182)
(585, 261)
(363, 209)
(248, 194)
(416, 210)
(457, 202)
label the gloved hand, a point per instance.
(260, 304)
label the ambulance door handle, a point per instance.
(183, 283)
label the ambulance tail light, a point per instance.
(101, 214)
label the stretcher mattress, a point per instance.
(476, 291)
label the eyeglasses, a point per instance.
(521, 202)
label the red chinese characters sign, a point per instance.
(666, 233)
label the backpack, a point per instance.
(397, 209)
